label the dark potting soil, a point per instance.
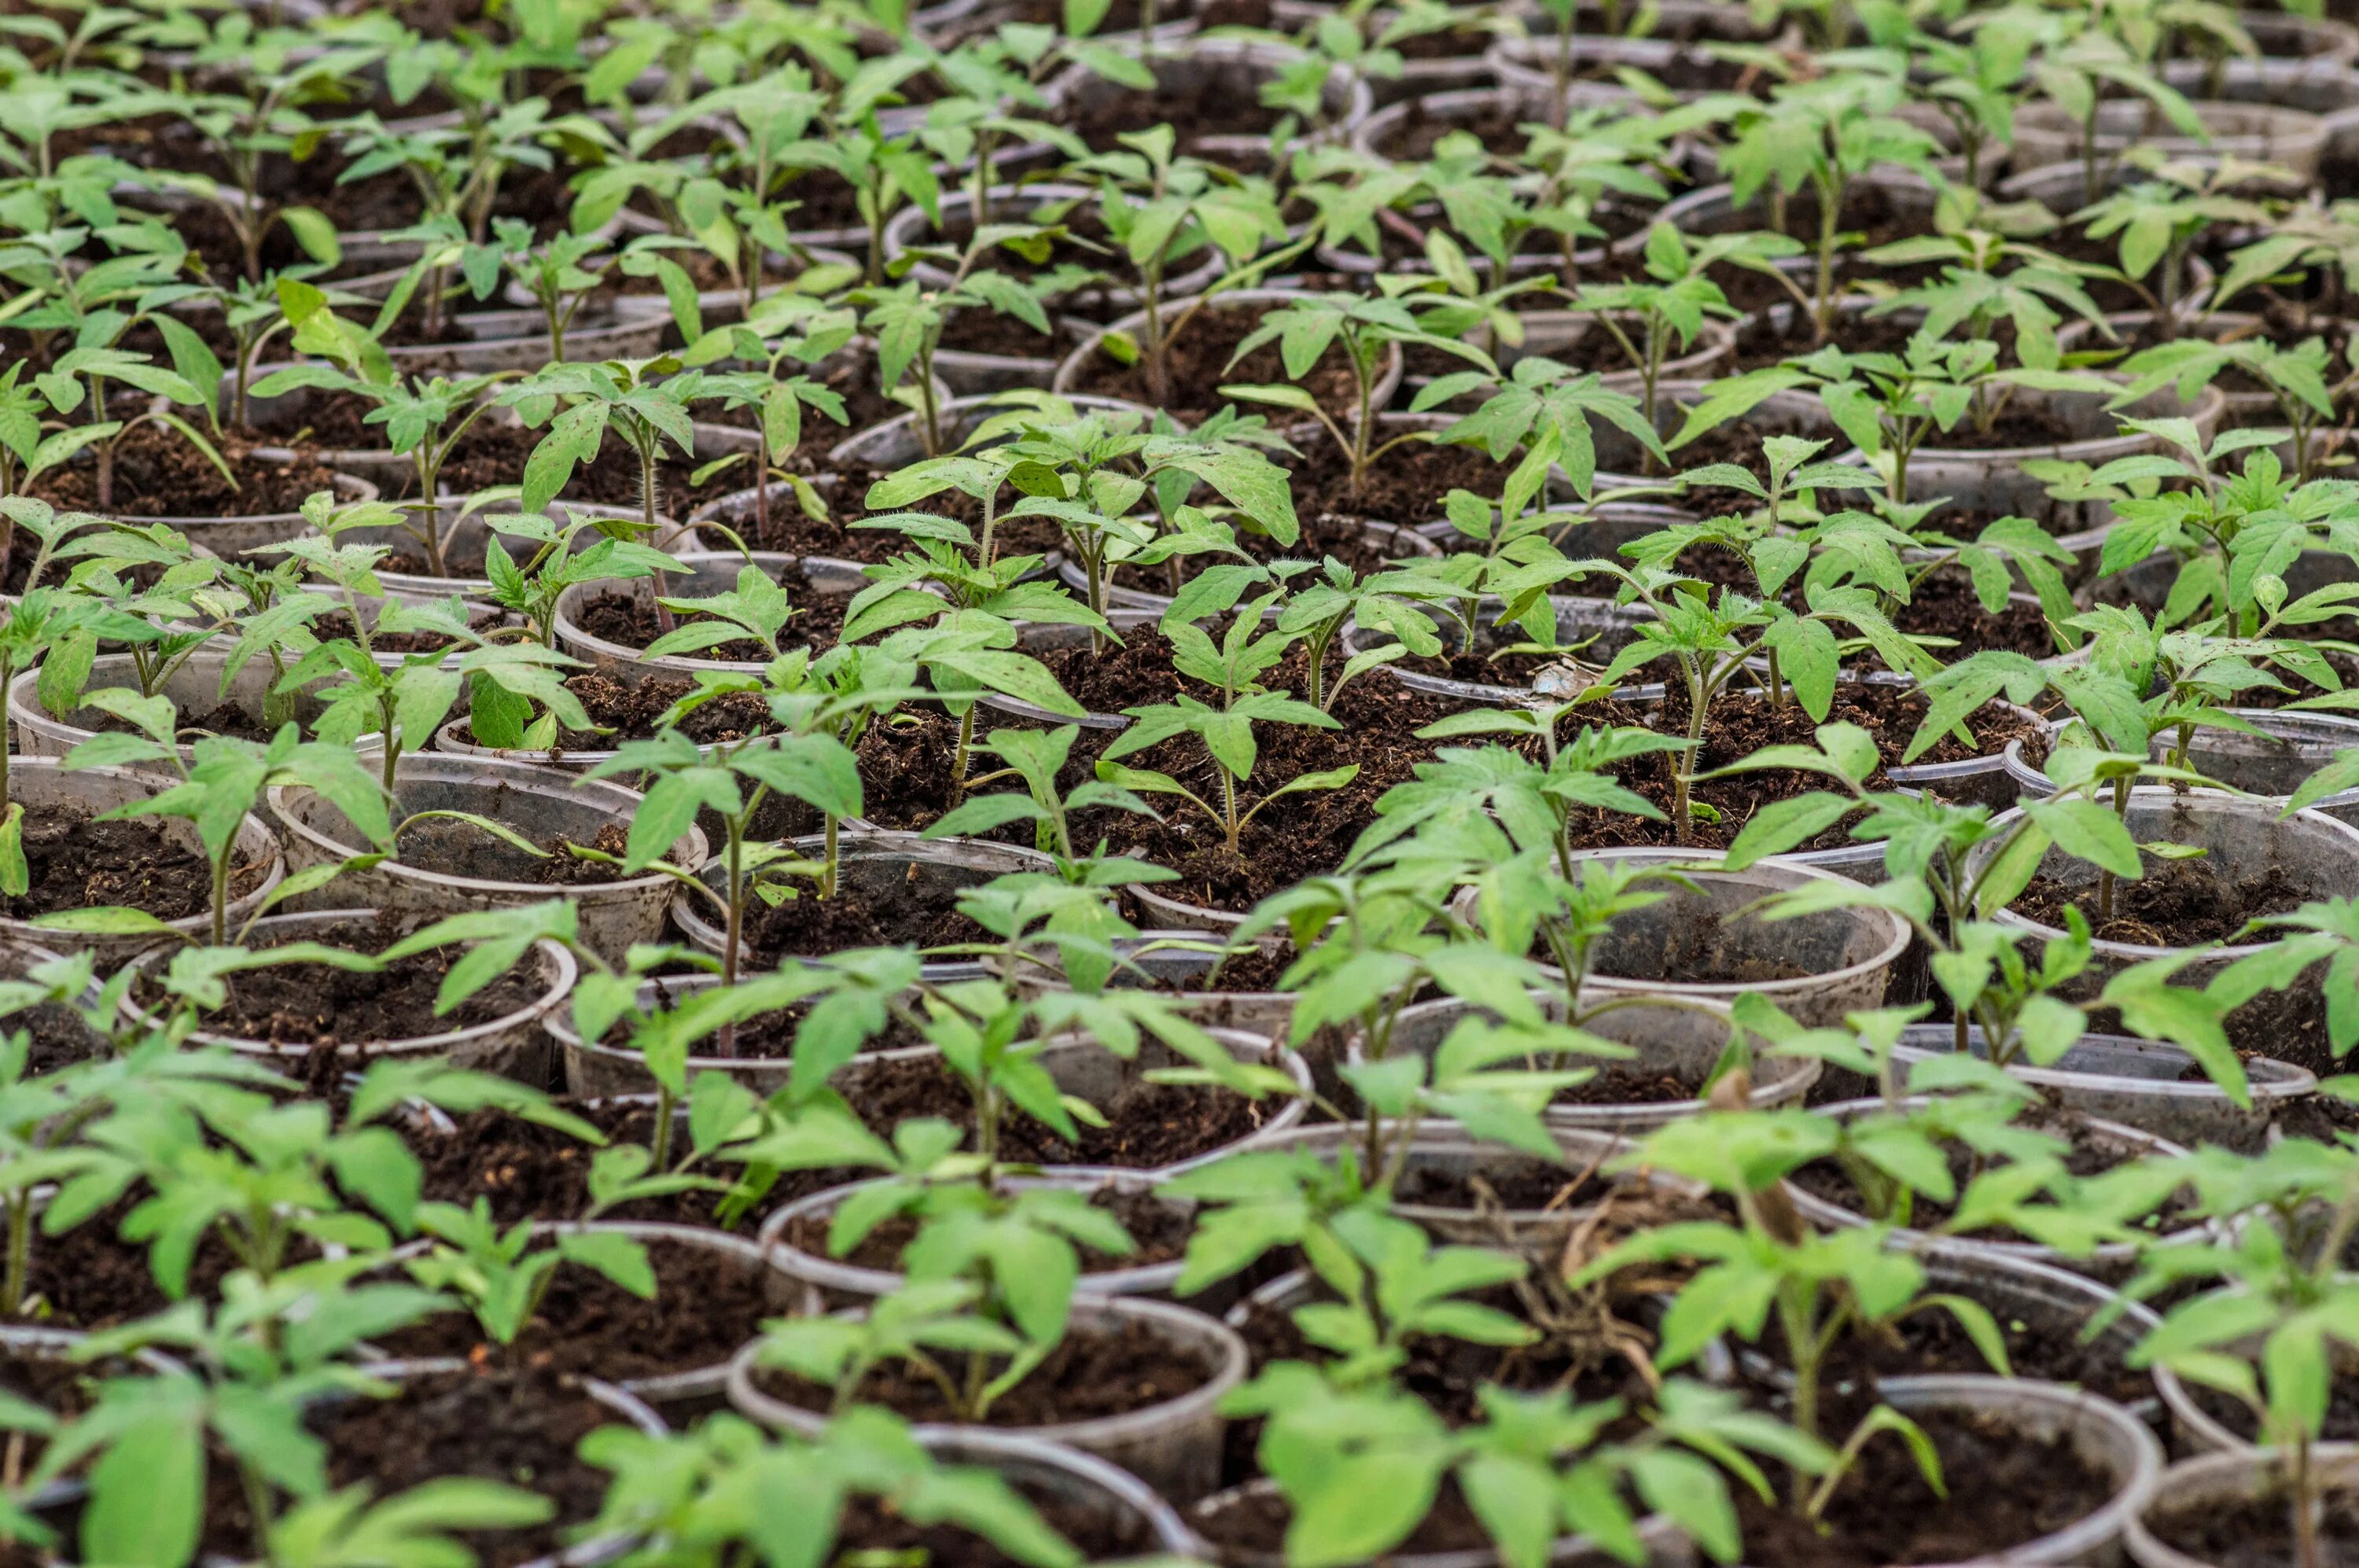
(869, 1531)
(1930, 1342)
(1870, 211)
(906, 768)
(520, 1427)
(157, 474)
(1227, 104)
(771, 1036)
(1943, 604)
(631, 621)
(2346, 667)
(2019, 425)
(708, 1304)
(226, 719)
(60, 1387)
(1827, 1180)
(338, 624)
(59, 1040)
(1093, 1374)
(1158, 1230)
(1344, 536)
(454, 849)
(1407, 486)
(626, 713)
(1301, 835)
(1579, 1354)
(79, 863)
(88, 1278)
(528, 1172)
(2004, 1487)
(1129, 15)
(1148, 1124)
(1499, 127)
(1612, 1085)
(1085, 247)
(806, 926)
(1256, 1522)
(1705, 951)
(974, 330)
(1199, 366)
(1735, 440)
(2179, 903)
(1770, 337)
(2256, 1532)
(1524, 1189)
(320, 1005)
(1740, 724)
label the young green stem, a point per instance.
(20, 1252)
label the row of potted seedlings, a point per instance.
(1411, 786)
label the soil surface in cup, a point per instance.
(88, 1278)
(518, 1426)
(1406, 486)
(1588, 1349)
(631, 621)
(1095, 1372)
(76, 861)
(1737, 442)
(51, 1383)
(1298, 834)
(1615, 1085)
(526, 1171)
(59, 1038)
(771, 1036)
(1158, 1228)
(2019, 425)
(976, 330)
(1931, 1342)
(2083, 1156)
(1872, 213)
(842, 486)
(157, 474)
(2178, 903)
(223, 719)
(708, 1303)
(908, 769)
(1256, 1522)
(1199, 366)
(1346, 537)
(1772, 337)
(1148, 1125)
(1586, 343)
(447, 847)
(1705, 949)
(2005, 1487)
(2256, 1532)
(1942, 603)
(1522, 1187)
(1224, 102)
(923, 913)
(1103, 1535)
(1740, 725)
(298, 1005)
(339, 623)
(624, 713)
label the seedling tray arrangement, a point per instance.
(1252, 782)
